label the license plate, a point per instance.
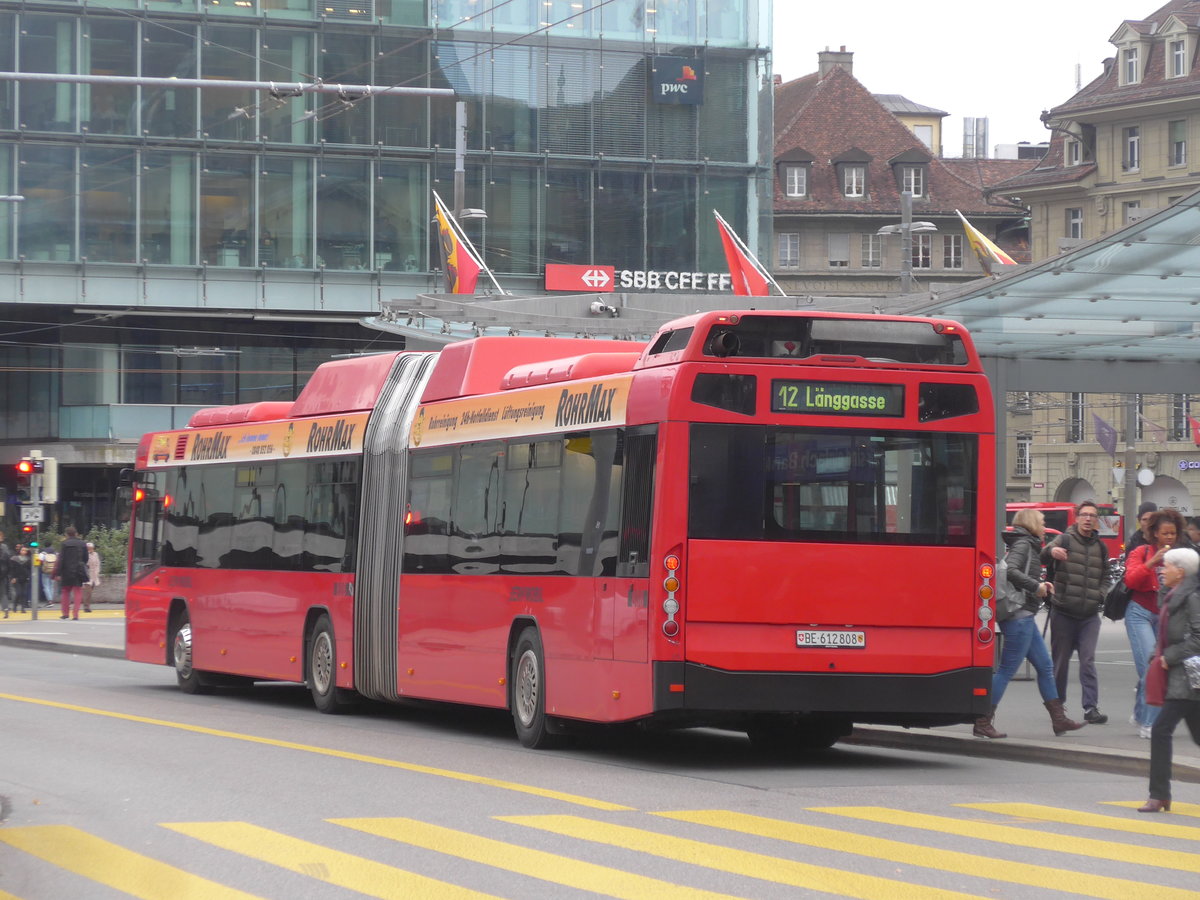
(832, 640)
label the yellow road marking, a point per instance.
(538, 864)
(111, 864)
(737, 862)
(589, 802)
(1023, 837)
(1177, 809)
(980, 866)
(5, 895)
(1141, 825)
(322, 863)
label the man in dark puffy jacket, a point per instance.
(1080, 575)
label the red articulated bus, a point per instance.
(777, 522)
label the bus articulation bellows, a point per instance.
(779, 522)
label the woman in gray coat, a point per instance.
(1179, 630)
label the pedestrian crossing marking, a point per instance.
(5, 895)
(1141, 825)
(346, 870)
(1177, 809)
(538, 864)
(111, 864)
(737, 862)
(981, 866)
(1022, 837)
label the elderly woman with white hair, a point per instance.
(1178, 639)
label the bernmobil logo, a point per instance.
(678, 79)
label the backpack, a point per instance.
(1009, 597)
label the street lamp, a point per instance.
(906, 229)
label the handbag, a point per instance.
(1191, 666)
(1116, 601)
(1156, 682)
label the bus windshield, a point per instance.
(769, 483)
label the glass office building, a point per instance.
(245, 209)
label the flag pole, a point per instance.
(754, 259)
(466, 241)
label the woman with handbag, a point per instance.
(1179, 639)
(1022, 640)
(1143, 576)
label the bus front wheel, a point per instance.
(190, 680)
(322, 664)
(529, 691)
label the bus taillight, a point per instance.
(671, 585)
(138, 495)
(987, 572)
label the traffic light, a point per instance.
(27, 467)
(28, 529)
(49, 480)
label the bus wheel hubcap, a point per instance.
(183, 651)
(322, 663)
(527, 687)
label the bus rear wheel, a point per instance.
(190, 679)
(528, 681)
(321, 663)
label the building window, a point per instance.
(1177, 58)
(1075, 222)
(1177, 142)
(1075, 419)
(872, 250)
(952, 251)
(1129, 67)
(912, 179)
(1132, 159)
(839, 250)
(1024, 455)
(788, 248)
(854, 181)
(1129, 211)
(796, 178)
(1073, 152)
(924, 134)
(1181, 410)
(922, 251)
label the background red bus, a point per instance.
(1060, 516)
(778, 522)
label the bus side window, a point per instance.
(637, 498)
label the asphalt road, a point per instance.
(115, 784)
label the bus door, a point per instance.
(630, 588)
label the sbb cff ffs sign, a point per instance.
(579, 278)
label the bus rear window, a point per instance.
(769, 483)
(886, 340)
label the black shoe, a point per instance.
(1093, 716)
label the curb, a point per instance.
(1072, 756)
(76, 649)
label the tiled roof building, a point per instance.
(842, 159)
(1120, 145)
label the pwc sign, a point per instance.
(678, 79)
(586, 279)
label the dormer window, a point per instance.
(1129, 66)
(911, 169)
(851, 168)
(912, 179)
(1177, 65)
(1073, 152)
(794, 171)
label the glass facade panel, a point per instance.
(8, 63)
(511, 243)
(226, 208)
(149, 377)
(401, 121)
(343, 214)
(266, 373)
(286, 56)
(566, 233)
(169, 52)
(47, 217)
(620, 200)
(566, 109)
(168, 208)
(285, 210)
(29, 383)
(47, 44)
(344, 59)
(8, 211)
(208, 380)
(511, 105)
(287, 9)
(671, 223)
(108, 108)
(401, 204)
(90, 375)
(106, 200)
(227, 54)
(401, 12)
(620, 117)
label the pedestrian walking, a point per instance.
(93, 572)
(5, 585)
(1022, 640)
(19, 568)
(48, 558)
(71, 572)
(1080, 574)
(1179, 639)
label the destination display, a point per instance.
(837, 398)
